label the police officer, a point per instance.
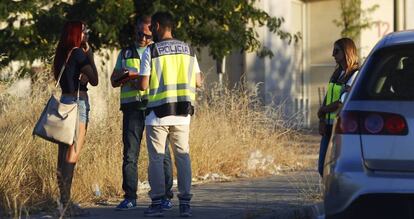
(346, 57)
(170, 70)
(133, 104)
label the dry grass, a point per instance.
(228, 126)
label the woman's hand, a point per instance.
(321, 112)
(85, 46)
(332, 107)
(83, 79)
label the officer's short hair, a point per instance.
(143, 19)
(165, 19)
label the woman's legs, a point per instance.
(74, 152)
(64, 174)
(67, 158)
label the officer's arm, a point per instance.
(143, 82)
(199, 79)
(116, 72)
(145, 69)
(199, 74)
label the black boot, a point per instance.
(65, 172)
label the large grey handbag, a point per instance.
(59, 122)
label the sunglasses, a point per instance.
(142, 34)
(336, 51)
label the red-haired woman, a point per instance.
(346, 57)
(79, 70)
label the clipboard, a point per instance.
(126, 75)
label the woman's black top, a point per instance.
(70, 77)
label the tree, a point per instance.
(353, 18)
(220, 25)
(31, 28)
(19, 38)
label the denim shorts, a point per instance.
(83, 108)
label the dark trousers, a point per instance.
(324, 147)
(132, 128)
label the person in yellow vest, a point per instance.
(170, 70)
(133, 105)
(346, 58)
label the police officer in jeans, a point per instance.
(133, 105)
(170, 70)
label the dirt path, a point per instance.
(271, 197)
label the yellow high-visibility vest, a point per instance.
(172, 84)
(333, 94)
(131, 60)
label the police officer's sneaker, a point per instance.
(127, 204)
(166, 204)
(185, 210)
(154, 210)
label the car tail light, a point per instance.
(374, 123)
(371, 123)
(395, 124)
(348, 123)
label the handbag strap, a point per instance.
(63, 67)
(77, 96)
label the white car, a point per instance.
(369, 166)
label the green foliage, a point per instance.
(353, 18)
(19, 39)
(221, 25)
(31, 28)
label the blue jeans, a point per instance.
(133, 127)
(168, 173)
(324, 147)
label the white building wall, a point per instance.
(409, 14)
(383, 24)
(255, 66)
(99, 96)
(319, 38)
(278, 69)
(281, 77)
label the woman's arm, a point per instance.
(332, 107)
(89, 69)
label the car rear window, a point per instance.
(388, 75)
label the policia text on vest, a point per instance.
(172, 86)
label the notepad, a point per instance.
(127, 74)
